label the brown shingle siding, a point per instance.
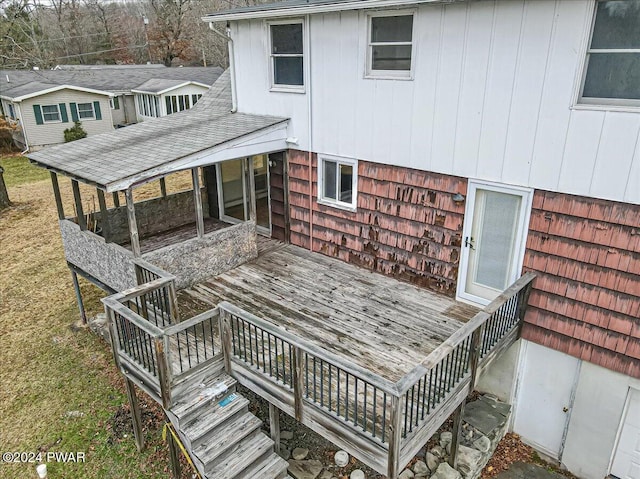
(406, 224)
(586, 298)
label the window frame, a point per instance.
(581, 102)
(277, 87)
(93, 111)
(57, 107)
(353, 206)
(369, 72)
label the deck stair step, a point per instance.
(223, 438)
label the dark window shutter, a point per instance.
(74, 111)
(37, 111)
(63, 112)
(96, 108)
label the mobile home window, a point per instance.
(85, 111)
(114, 103)
(390, 45)
(50, 113)
(287, 58)
(612, 71)
(338, 181)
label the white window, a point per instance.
(390, 45)
(286, 47)
(85, 111)
(11, 112)
(148, 105)
(114, 103)
(612, 68)
(338, 182)
(176, 103)
(50, 113)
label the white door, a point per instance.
(626, 462)
(494, 234)
(547, 383)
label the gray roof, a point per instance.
(140, 149)
(26, 89)
(107, 78)
(156, 85)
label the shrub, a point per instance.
(74, 133)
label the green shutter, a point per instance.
(96, 108)
(74, 111)
(63, 113)
(37, 111)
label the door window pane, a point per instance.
(232, 189)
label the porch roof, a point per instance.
(119, 159)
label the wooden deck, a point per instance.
(379, 323)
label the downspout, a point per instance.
(310, 133)
(227, 37)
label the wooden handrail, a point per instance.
(133, 317)
(176, 328)
(154, 269)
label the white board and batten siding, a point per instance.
(492, 97)
(50, 133)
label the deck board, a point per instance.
(378, 322)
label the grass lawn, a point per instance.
(59, 388)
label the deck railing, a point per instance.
(388, 421)
(151, 345)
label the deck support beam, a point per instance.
(163, 187)
(136, 416)
(133, 225)
(104, 215)
(197, 198)
(76, 288)
(116, 199)
(474, 359)
(274, 426)
(82, 221)
(56, 194)
(251, 187)
(174, 456)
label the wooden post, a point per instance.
(174, 456)
(456, 434)
(251, 184)
(395, 436)
(104, 215)
(164, 377)
(174, 312)
(225, 339)
(57, 196)
(116, 199)
(274, 426)
(133, 226)
(522, 307)
(197, 198)
(82, 221)
(163, 187)
(5, 202)
(298, 384)
(136, 416)
(76, 287)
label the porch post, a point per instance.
(56, 194)
(82, 221)
(173, 455)
(163, 187)
(104, 215)
(133, 226)
(76, 288)
(274, 426)
(136, 416)
(251, 184)
(197, 198)
(116, 199)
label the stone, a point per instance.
(325, 475)
(286, 435)
(437, 451)
(357, 474)
(341, 458)
(305, 469)
(420, 468)
(74, 414)
(445, 471)
(445, 438)
(285, 453)
(432, 461)
(468, 461)
(406, 474)
(299, 453)
(482, 444)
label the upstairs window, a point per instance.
(287, 58)
(612, 71)
(85, 111)
(390, 40)
(338, 182)
(50, 113)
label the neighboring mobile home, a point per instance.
(463, 147)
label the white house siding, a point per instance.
(492, 97)
(52, 133)
(595, 411)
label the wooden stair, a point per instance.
(223, 438)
